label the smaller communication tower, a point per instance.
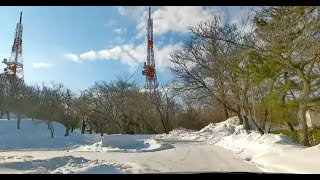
(149, 69)
(14, 69)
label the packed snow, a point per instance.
(34, 134)
(60, 165)
(217, 147)
(126, 143)
(270, 152)
(210, 134)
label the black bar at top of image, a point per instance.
(157, 2)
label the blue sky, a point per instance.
(81, 45)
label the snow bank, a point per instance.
(210, 134)
(34, 134)
(99, 169)
(126, 143)
(275, 153)
(270, 152)
(63, 165)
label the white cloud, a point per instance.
(91, 55)
(162, 55)
(168, 18)
(41, 65)
(134, 12)
(180, 18)
(120, 30)
(122, 10)
(72, 57)
(138, 14)
(133, 56)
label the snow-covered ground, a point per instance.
(126, 143)
(34, 137)
(58, 165)
(217, 147)
(270, 152)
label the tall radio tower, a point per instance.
(149, 70)
(14, 69)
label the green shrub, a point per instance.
(313, 134)
(292, 134)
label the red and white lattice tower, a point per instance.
(14, 69)
(149, 69)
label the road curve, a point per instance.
(185, 157)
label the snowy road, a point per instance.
(186, 156)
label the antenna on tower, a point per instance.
(14, 69)
(151, 84)
(20, 17)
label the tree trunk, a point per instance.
(168, 121)
(246, 125)
(32, 119)
(270, 121)
(239, 115)
(225, 110)
(72, 128)
(162, 118)
(226, 113)
(269, 130)
(283, 100)
(67, 131)
(240, 119)
(303, 121)
(49, 125)
(101, 129)
(19, 119)
(8, 117)
(90, 131)
(263, 124)
(302, 112)
(258, 128)
(163, 124)
(303, 102)
(51, 129)
(83, 126)
(290, 126)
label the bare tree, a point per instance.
(212, 68)
(166, 107)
